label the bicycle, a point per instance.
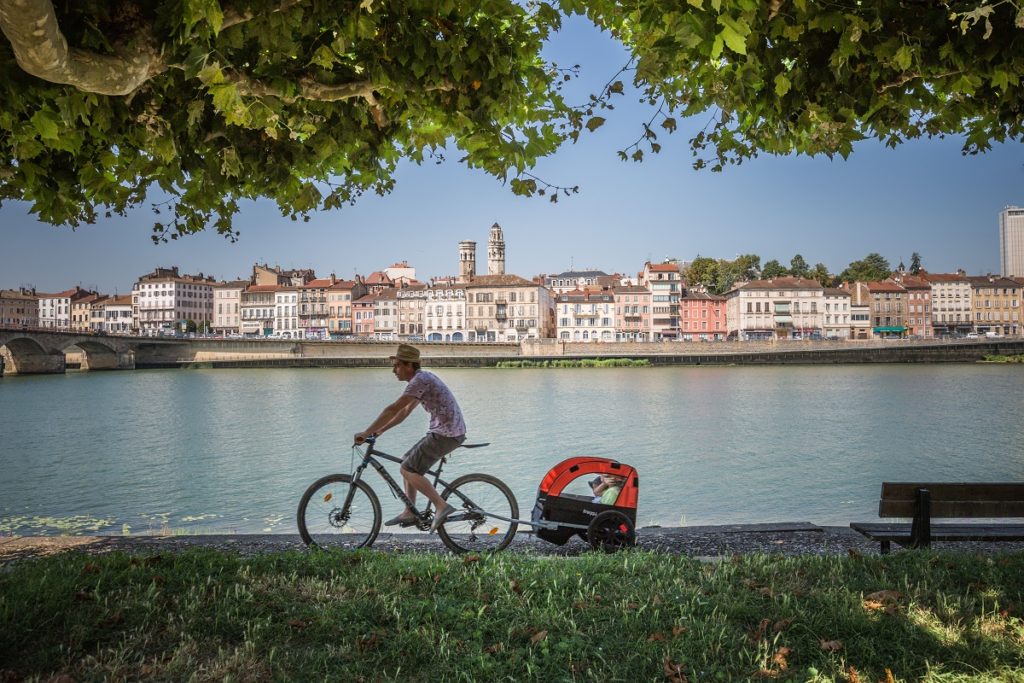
(342, 510)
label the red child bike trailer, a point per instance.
(559, 515)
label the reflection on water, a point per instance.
(232, 450)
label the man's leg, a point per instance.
(417, 482)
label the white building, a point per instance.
(55, 309)
(836, 320)
(257, 310)
(1011, 241)
(571, 280)
(164, 301)
(951, 303)
(585, 316)
(227, 304)
(780, 308)
(117, 315)
(444, 314)
(286, 316)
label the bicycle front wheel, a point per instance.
(325, 521)
(480, 501)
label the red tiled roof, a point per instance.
(663, 268)
(884, 286)
(944, 277)
(498, 281)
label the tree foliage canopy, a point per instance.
(871, 268)
(313, 102)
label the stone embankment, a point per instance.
(216, 353)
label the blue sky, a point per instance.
(923, 196)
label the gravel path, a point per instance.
(798, 538)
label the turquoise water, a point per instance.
(212, 451)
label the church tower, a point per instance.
(496, 252)
(467, 261)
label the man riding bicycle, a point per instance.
(446, 432)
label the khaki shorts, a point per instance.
(429, 450)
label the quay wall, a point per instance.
(212, 353)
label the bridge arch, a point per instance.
(25, 355)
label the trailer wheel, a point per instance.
(610, 531)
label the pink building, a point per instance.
(702, 317)
(632, 313)
(362, 315)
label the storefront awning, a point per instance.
(890, 329)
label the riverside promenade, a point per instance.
(701, 542)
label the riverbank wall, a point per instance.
(284, 354)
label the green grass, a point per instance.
(1005, 359)
(577, 363)
(419, 617)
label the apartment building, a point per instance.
(227, 306)
(995, 305)
(257, 307)
(265, 275)
(117, 315)
(779, 308)
(164, 301)
(585, 315)
(702, 316)
(666, 285)
(340, 296)
(385, 314)
(836, 320)
(632, 313)
(951, 303)
(82, 312)
(287, 324)
(362, 315)
(19, 307)
(97, 313)
(1011, 241)
(860, 310)
(507, 308)
(55, 309)
(444, 313)
(888, 308)
(572, 280)
(313, 309)
(919, 305)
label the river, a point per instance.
(231, 451)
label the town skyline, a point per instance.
(923, 196)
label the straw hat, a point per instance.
(406, 354)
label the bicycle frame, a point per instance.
(396, 490)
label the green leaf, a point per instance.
(716, 47)
(782, 85)
(595, 123)
(46, 124)
(699, 4)
(230, 164)
(904, 57)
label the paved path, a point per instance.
(788, 538)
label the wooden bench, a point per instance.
(923, 501)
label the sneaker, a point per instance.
(402, 520)
(440, 517)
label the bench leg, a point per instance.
(885, 547)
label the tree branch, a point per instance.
(42, 51)
(233, 17)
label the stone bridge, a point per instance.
(26, 351)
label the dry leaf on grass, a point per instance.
(781, 625)
(889, 678)
(538, 637)
(679, 630)
(674, 672)
(779, 658)
(832, 645)
(851, 675)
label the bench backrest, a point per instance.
(954, 500)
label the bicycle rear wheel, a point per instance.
(324, 524)
(473, 526)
